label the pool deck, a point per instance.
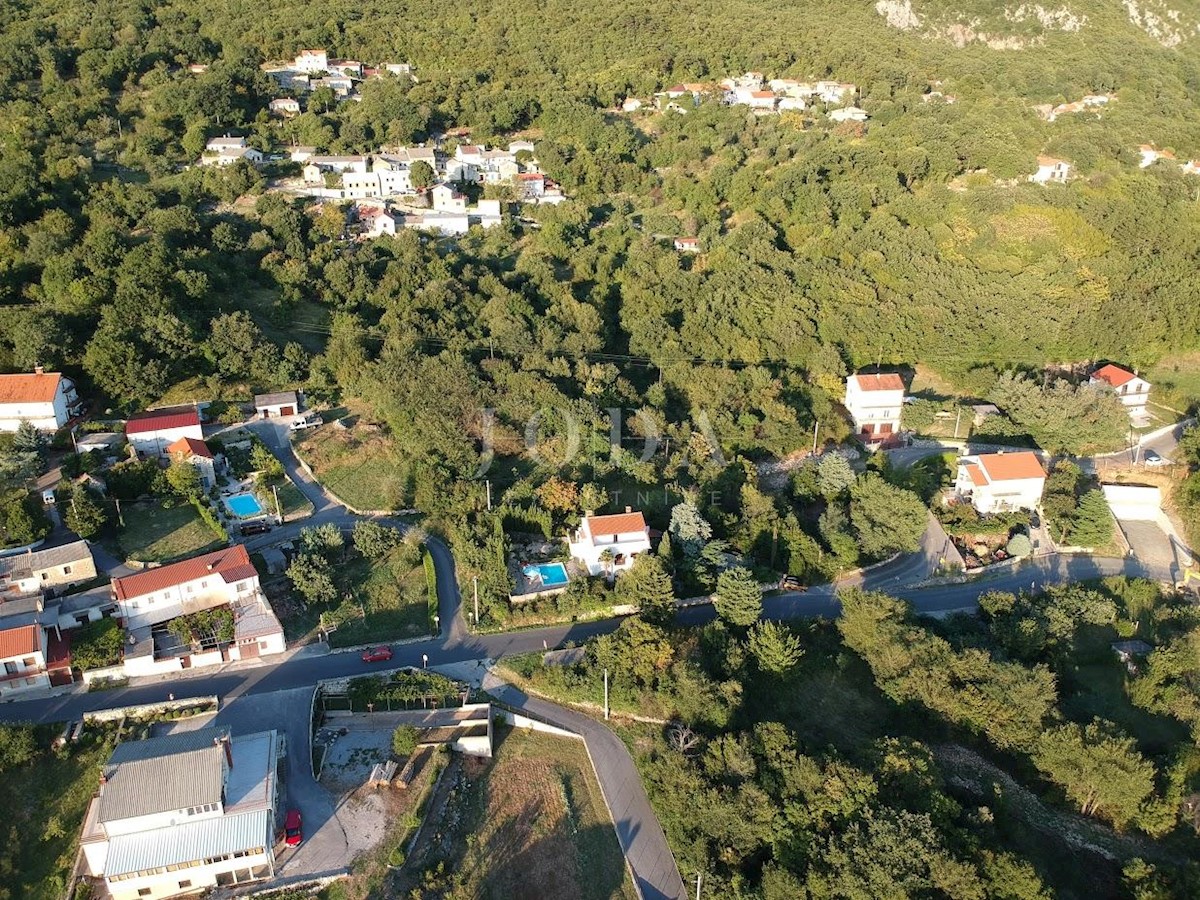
(528, 589)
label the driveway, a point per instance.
(1150, 544)
(325, 848)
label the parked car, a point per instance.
(254, 528)
(293, 830)
(377, 654)
(792, 583)
(1152, 458)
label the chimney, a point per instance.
(223, 741)
(629, 509)
(211, 567)
(103, 779)
(588, 513)
(39, 370)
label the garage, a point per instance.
(278, 405)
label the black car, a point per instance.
(254, 528)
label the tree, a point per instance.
(312, 576)
(18, 470)
(375, 541)
(834, 475)
(1019, 545)
(17, 746)
(421, 175)
(638, 650)
(30, 439)
(886, 518)
(323, 540)
(404, 740)
(1099, 768)
(1092, 523)
(265, 462)
(739, 598)
(97, 645)
(592, 497)
(775, 648)
(184, 479)
(85, 514)
(647, 586)
(558, 495)
(688, 529)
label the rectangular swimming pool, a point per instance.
(547, 574)
(244, 506)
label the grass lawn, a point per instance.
(531, 823)
(154, 533)
(1176, 382)
(358, 464)
(295, 504)
(301, 322)
(45, 802)
(393, 591)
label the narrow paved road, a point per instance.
(638, 830)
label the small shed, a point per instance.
(273, 406)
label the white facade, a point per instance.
(23, 659)
(1131, 390)
(610, 543)
(875, 403)
(447, 199)
(45, 399)
(1000, 482)
(311, 61)
(1050, 170)
(284, 106)
(204, 582)
(152, 435)
(848, 114)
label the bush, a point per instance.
(96, 645)
(404, 740)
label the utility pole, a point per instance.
(957, 419)
(120, 518)
(476, 581)
(606, 695)
(698, 877)
(816, 428)
(488, 482)
(278, 508)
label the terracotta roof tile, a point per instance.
(1113, 375)
(190, 447)
(620, 523)
(232, 564)
(889, 381)
(20, 641)
(30, 388)
(1011, 466)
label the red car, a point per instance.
(292, 828)
(377, 654)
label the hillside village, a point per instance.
(512, 453)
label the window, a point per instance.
(45, 576)
(66, 570)
(29, 662)
(144, 892)
(185, 884)
(10, 668)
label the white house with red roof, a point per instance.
(153, 432)
(46, 399)
(1131, 390)
(196, 454)
(311, 61)
(23, 656)
(874, 403)
(1000, 482)
(610, 543)
(1051, 169)
(221, 578)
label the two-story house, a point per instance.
(151, 433)
(875, 403)
(1000, 482)
(184, 813)
(608, 544)
(1051, 169)
(34, 571)
(45, 399)
(1131, 390)
(23, 658)
(197, 455)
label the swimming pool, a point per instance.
(244, 506)
(547, 574)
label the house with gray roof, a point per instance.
(184, 813)
(49, 569)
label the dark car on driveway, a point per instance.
(254, 528)
(377, 654)
(293, 829)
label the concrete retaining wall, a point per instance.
(148, 709)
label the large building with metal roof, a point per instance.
(180, 814)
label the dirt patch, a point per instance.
(529, 824)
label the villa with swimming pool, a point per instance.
(609, 544)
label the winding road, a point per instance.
(638, 830)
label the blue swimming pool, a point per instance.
(244, 506)
(547, 574)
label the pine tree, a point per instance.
(1092, 523)
(648, 587)
(739, 598)
(775, 648)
